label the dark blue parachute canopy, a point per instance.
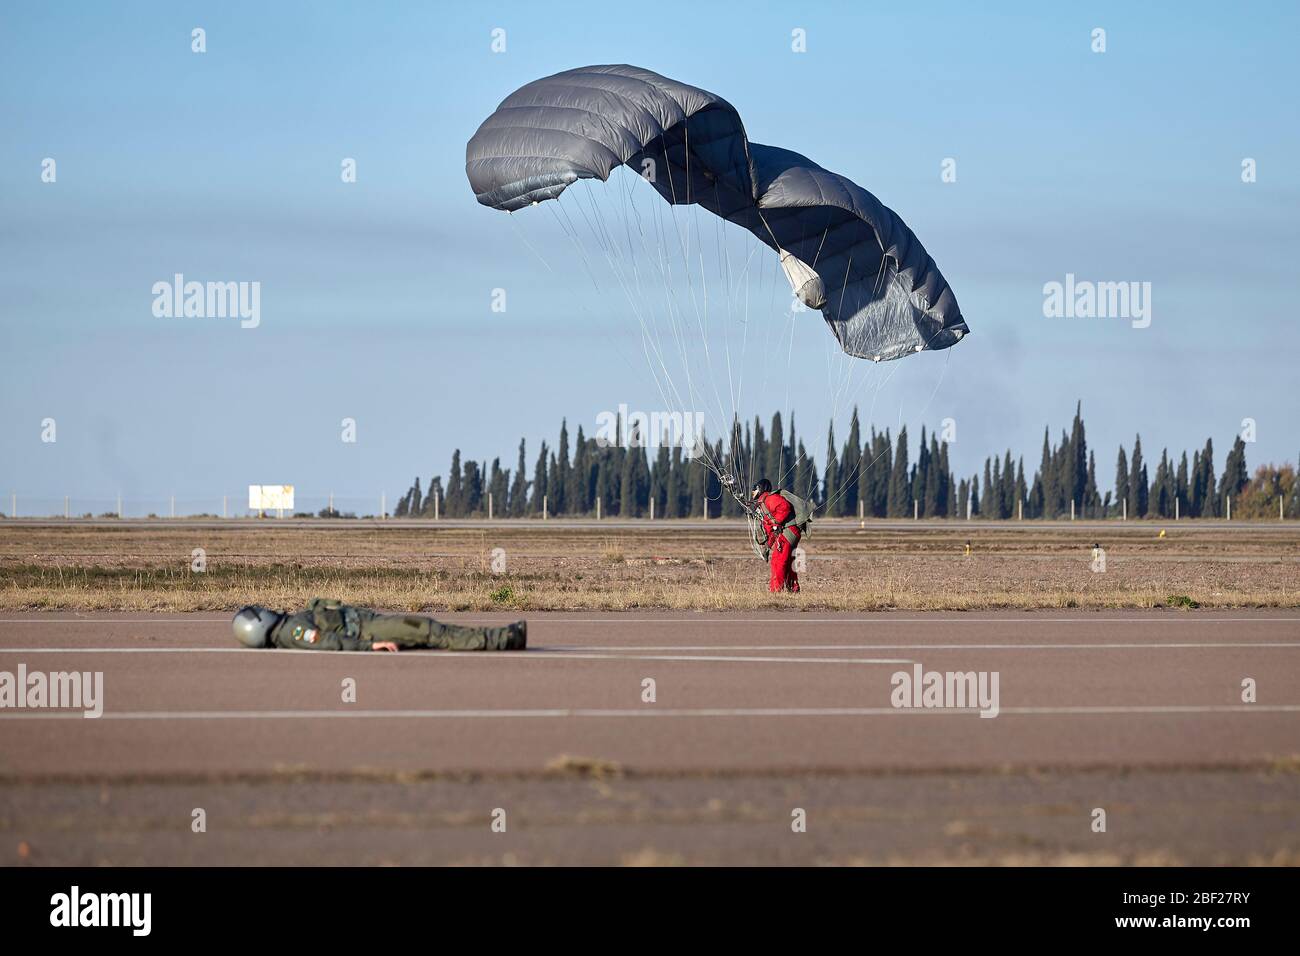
(844, 252)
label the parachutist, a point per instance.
(784, 518)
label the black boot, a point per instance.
(512, 637)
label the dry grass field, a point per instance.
(561, 565)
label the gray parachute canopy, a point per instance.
(844, 252)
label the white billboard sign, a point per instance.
(270, 497)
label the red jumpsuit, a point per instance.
(782, 539)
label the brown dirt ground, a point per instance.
(677, 565)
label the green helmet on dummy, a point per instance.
(253, 624)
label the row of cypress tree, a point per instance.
(872, 476)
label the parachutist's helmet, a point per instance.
(252, 625)
(762, 487)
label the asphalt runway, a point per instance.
(758, 722)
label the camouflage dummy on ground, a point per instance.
(328, 625)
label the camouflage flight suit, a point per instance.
(328, 625)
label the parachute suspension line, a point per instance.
(840, 376)
(734, 287)
(752, 464)
(729, 415)
(648, 342)
(835, 499)
(675, 316)
(599, 322)
(740, 468)
(726, 422)
(597, 226)
(734, 424)
(633, 255)
(636, 272)
(845, 372)
(794, 316)
(854, 394)
(572, 233)
(943, 373)
(702, 450)
(786, 407)
(519, 232)
(844, 288)
(846, 393)
(772, 309)
(633, 300)
(875, 394)
(699, 246)
(847, 367)
(573, 236)
(763, 219)
(818, 254)
(651, 342)
(769, 347)
(789, 363)
(686, 144)
(627, 272)
(683, 244)
(892, 372)
(882, 274)
(618, 345)
(702, 318)
(795, 456)
(725, 277)
(649, 339)
(735, 273)
(666, 271)
(650, 335)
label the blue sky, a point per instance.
(1118, 166)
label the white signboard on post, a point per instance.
(270, 498)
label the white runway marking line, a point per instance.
(111, 620)
(616, 652)
(920, 647)
(649, 711)
(466, 655)
(1028, 617)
